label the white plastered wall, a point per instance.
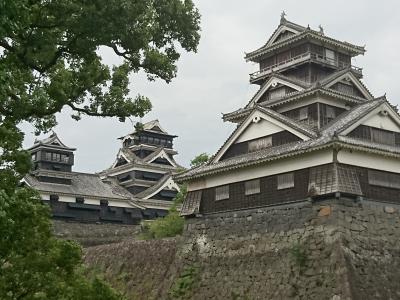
(70, 199)
(369, 160)
(267, 169)
(257, 130)
(383, 122)
(324, 100)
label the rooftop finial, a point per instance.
(283, 15)
(321, 29)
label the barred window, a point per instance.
(48, 155)
(278, 93)
(259, 144)
(382, 136)
(222, 192)
(384, 179)
(285, 181)
(303, 113)
(252, 187)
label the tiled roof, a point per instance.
(328, 135)
(85, 185)
(306, 130)
(155, 187)
(52, 141)
(351, 116)
(293, 97)
(308, 33)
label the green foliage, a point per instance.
(184, 283)
(299, 256)
(170, 226)
(199, 160)
(49, 59)
(35, 265)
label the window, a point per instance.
(303, 113)
(252, 187)
(54, 198)
(56, 157)
(382, 136)
(80, 200)
(330, 56)
(277, 93)
(345, 88)
(48, 155)
(64, 158)
(384, 179)
(259, 144)
(222, 192)
(285, 181)
(33, 156)
(330, 112)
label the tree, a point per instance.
(49, 59)
(199, 160)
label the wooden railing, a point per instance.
(299, 58)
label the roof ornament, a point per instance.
(321, 29)
(283, 15)
(308, 27)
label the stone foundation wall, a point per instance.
(91, 234)
(335, 249)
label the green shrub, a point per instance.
(184, 283)
(169, 226)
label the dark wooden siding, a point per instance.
(312, 119)
(269, 194)
(81, 212)
(325, 118)
(377, 193)
(348, 89)
(279, 138)
(365, 133)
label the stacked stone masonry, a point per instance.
(335, 249)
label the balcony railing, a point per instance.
(300, 58)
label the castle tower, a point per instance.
(312, 130)
(145, 165)
(75, 196)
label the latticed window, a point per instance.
(285, 181)
(48, 155)
(259, 144)
(252, 187)
(303, 113)
(222, 192)
(278, 93)
(384, 179)
(382, 136)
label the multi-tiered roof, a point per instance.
(310, 98)
(145, 165)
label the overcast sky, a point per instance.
(215, 80)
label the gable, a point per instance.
(350, 85)
(283, 32)
(382, 117)
(274, 88)
(257, 130)
(382, 121)
(163, 158)
(257, 125)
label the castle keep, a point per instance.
(137, 186)
(312, 130)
